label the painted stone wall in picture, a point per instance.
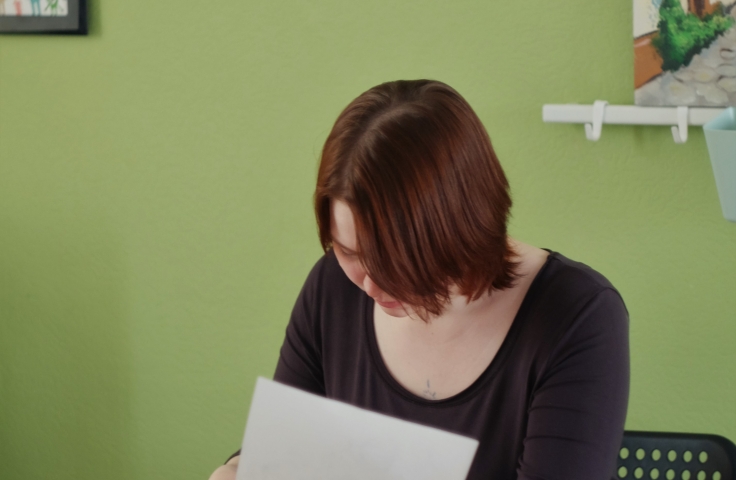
(37, 8)
(685, 52)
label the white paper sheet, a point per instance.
(292, 434)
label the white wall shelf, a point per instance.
(594, 116)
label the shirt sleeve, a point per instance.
(578, 407)
(300, 360)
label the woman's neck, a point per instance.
(462, 316)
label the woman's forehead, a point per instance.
(342, 226)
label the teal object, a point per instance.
(720, 135)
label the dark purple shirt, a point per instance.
(551, 405)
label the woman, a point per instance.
(424, 309)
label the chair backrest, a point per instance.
(676, 456)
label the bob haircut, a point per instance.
(429, 197)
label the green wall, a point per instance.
(155, 219)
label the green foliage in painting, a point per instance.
(681, 36)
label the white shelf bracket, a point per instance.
(594, 116)
(679, 132)
(593, 130)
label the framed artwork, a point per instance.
(685, 53)
(43, 16)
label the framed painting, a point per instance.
(685, 53)
(43, 16)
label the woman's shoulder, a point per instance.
(576, 295)
(545, 265)
(571, 310)
(560, 277)
(577, 275)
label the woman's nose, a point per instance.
(370, 287)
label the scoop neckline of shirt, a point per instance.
(489, 372)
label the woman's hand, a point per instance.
(227, 471)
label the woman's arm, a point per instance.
(578, 409)
(300, 359)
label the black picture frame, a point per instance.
(74, 23)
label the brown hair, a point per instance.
(429, 197)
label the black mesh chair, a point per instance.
(676, 456)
